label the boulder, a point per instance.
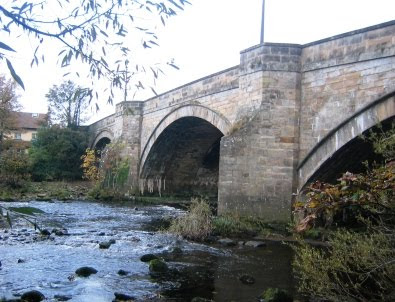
(45, 232)
(276, 295)
(226, 242)
(177, 251)
(62, 298)
(32, 296)
(148, 257)
(199, 299)
(104, 244)
(122, 272)
(58, 232)
(255, 244)
(122, 297)
(85, 271)
(246, 279)
(157, 266)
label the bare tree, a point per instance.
(67, 104)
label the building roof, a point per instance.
(29, 120)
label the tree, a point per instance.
(67, 104)
(56, 154)
(88, 30)
(8, 104)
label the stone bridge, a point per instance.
(253, 135)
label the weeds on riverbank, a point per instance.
(236, 225)
(196, 224)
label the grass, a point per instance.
(235, 225)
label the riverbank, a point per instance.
(47, 191)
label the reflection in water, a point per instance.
(207, 271)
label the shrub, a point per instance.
(356, 267)
(90, 163)
(56, 154)
(14, 168)
(196, 224)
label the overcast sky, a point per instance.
(209, 35)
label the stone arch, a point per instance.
(378, 111)
(106, 133)
(191, 110)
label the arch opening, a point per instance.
(184, 160)
(351, 157)
(101, 144)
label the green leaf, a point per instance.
(14, 75)
(6, 47)
(26, 210)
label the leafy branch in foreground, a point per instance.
(26, 213)
(88, 31)
(359, 262)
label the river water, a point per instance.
(30, 262)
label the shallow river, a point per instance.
(201, 270)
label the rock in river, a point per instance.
(122, 297)
(148, 257)
(104, 244)
(85, 271)
(157, 266)
(62, 298)
(227, 242)
(255, 243)
(246, 279)
(122, 272)
(45, 232)
(32, 296)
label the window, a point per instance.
(17, 135)
(34, 135)
(34, 114)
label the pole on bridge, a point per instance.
(263, 22)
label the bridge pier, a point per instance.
(256, 175)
